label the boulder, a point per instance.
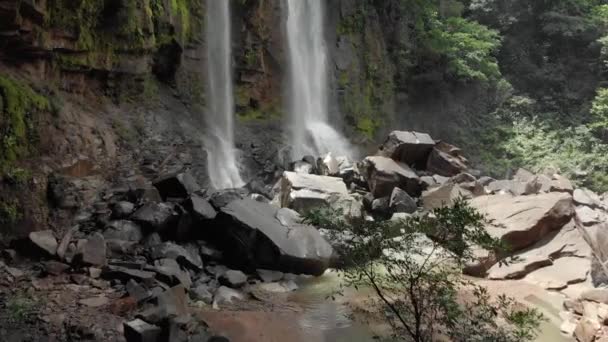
(446, 161)
(45, 241)
(93, 252)
(523, 175)
(233, 278)
(380, 206)
(173, 302)
(155, 217)
(185, 257)
(589, 216)
(560, 184)
(256, 238)
(220, 199)
(384, 174)
(522, 221)
(169, 272)
(561, 273)
(463, 177)
(586, 329)
(122, 209)
(139, 331)
(125, 274)
(137, 291)
(177, 185)
(595, 295)
(410, 148)
(329, 165)
(440, 179)
(427, 182)
(485, 180)
(269, 276)
(586, 197)
(443, 195)
(513, 187)
(303, 167)
(401, 202)
(225, 295)
(200, 208)
(123, 230)
(203, 293)
(53, 267)
(303, 192)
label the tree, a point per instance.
(413, 267)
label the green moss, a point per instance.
(9, 213)
(136, 26)
(17, 128)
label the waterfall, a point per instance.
(310, 131)
(219, 139)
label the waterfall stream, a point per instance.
(309, 128)
(219, 139)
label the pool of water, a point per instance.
(326, 319)
(310, 315)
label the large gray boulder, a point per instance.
(303, 192)
(383, 174)
(524, 220)
(155, 217)
(411, 148)
(253, 235)
(178, 185)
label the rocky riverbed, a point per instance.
(154, 259)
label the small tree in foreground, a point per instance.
(413, 266)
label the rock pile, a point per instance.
(166, 243)
(163, 243)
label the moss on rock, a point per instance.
(17, 119)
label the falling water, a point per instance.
(310, 132)
(221, 153)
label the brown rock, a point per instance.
(384, 174)
(446, 160)
(523, 221)
(411, 148)
(443, 195)
(586, 329)
(595, 295)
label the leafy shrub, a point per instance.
(413, 267)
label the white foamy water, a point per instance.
(309, 128)
(222, 163)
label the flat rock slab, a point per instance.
(563, 272)
(94, 302)
(522, 221)
(256, 238)
(568, 241)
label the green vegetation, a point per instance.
(20, 106)
(21, 307)
(468, 48)
(413, 267)
(103, 30)
(9, 213)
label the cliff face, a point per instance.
(115, 88)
